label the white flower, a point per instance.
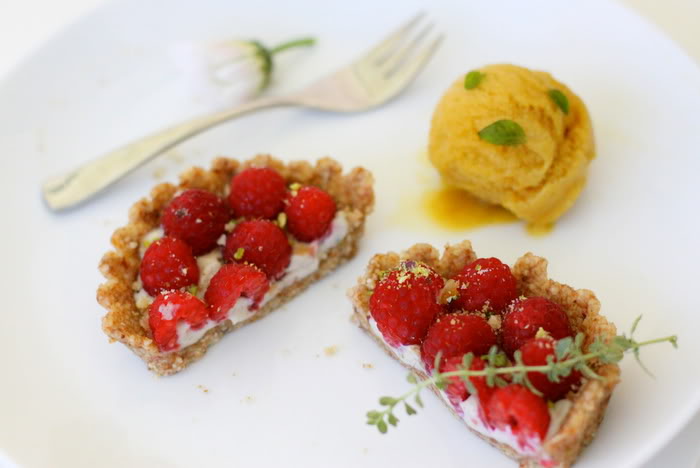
(221, 74)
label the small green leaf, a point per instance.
(386, 401)
(503, 132)
(412, 379)
(501, 382)
(381, 425)
(560, 100)
(192, 289)
(393, 420)
(438, 358)
(470, 386)
(467, 361)
(409, 409)
(473, 79)
(674, 341)
(419, 402)
(372, 415)
(641, 364)
(531, 387)
(562, 347)
(634, 325)
(588, 372)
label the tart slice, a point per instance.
(457, 310)
(224, 248)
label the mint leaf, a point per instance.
(473, 79)
(503, 132)
(559, 99)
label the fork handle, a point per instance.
(84, 182)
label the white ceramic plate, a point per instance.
(274, 398)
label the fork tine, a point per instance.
(379, 52)
(401, 54)
(409, 69)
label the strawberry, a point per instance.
(257, 192)
(262, 243)
(516, 408)
(526, 316)
(168, 264)
(485, 282)
(310, 212)
(457, 390)
(404, 303)
(534, 353)
(170, 309)
(232, 281)
(198, 217)
(456, 335)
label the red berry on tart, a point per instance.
(171, 310)
(405, 303)
(230, 283)
(257, 192)
(198, 217)
(527, 315)
(516, 409)
(535, 352)
(262, 243)
(309, 211)
(485, 284)
(455, 335)
(168, 264)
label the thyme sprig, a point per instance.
(570, 356)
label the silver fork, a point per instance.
(373, 79)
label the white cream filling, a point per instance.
(408, 354)
(149, 238)
(468, 410)
(208, 265)
(304, 262)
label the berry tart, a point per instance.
(458, 310)
(224, 248)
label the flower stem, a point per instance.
(303, 42)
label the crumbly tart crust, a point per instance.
(582, 307)
(124, 322)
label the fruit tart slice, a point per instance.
(457, 311)
(224, 248)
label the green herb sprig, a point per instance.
(559, 99)
(472, 79)
(569, 353)
(503, 132)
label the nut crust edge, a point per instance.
(352, 192)
(581, 306)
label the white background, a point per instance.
(26, 24)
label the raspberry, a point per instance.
(168, 264)
(232, 281)
(524, 413)
(456, 335)
(309, 213)
(198, 217)
(168, 310)
(457, 390)
(404, 303)
(534, 353)
(262, 243)
(526, 316)
(257, 192)
(485, 282)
